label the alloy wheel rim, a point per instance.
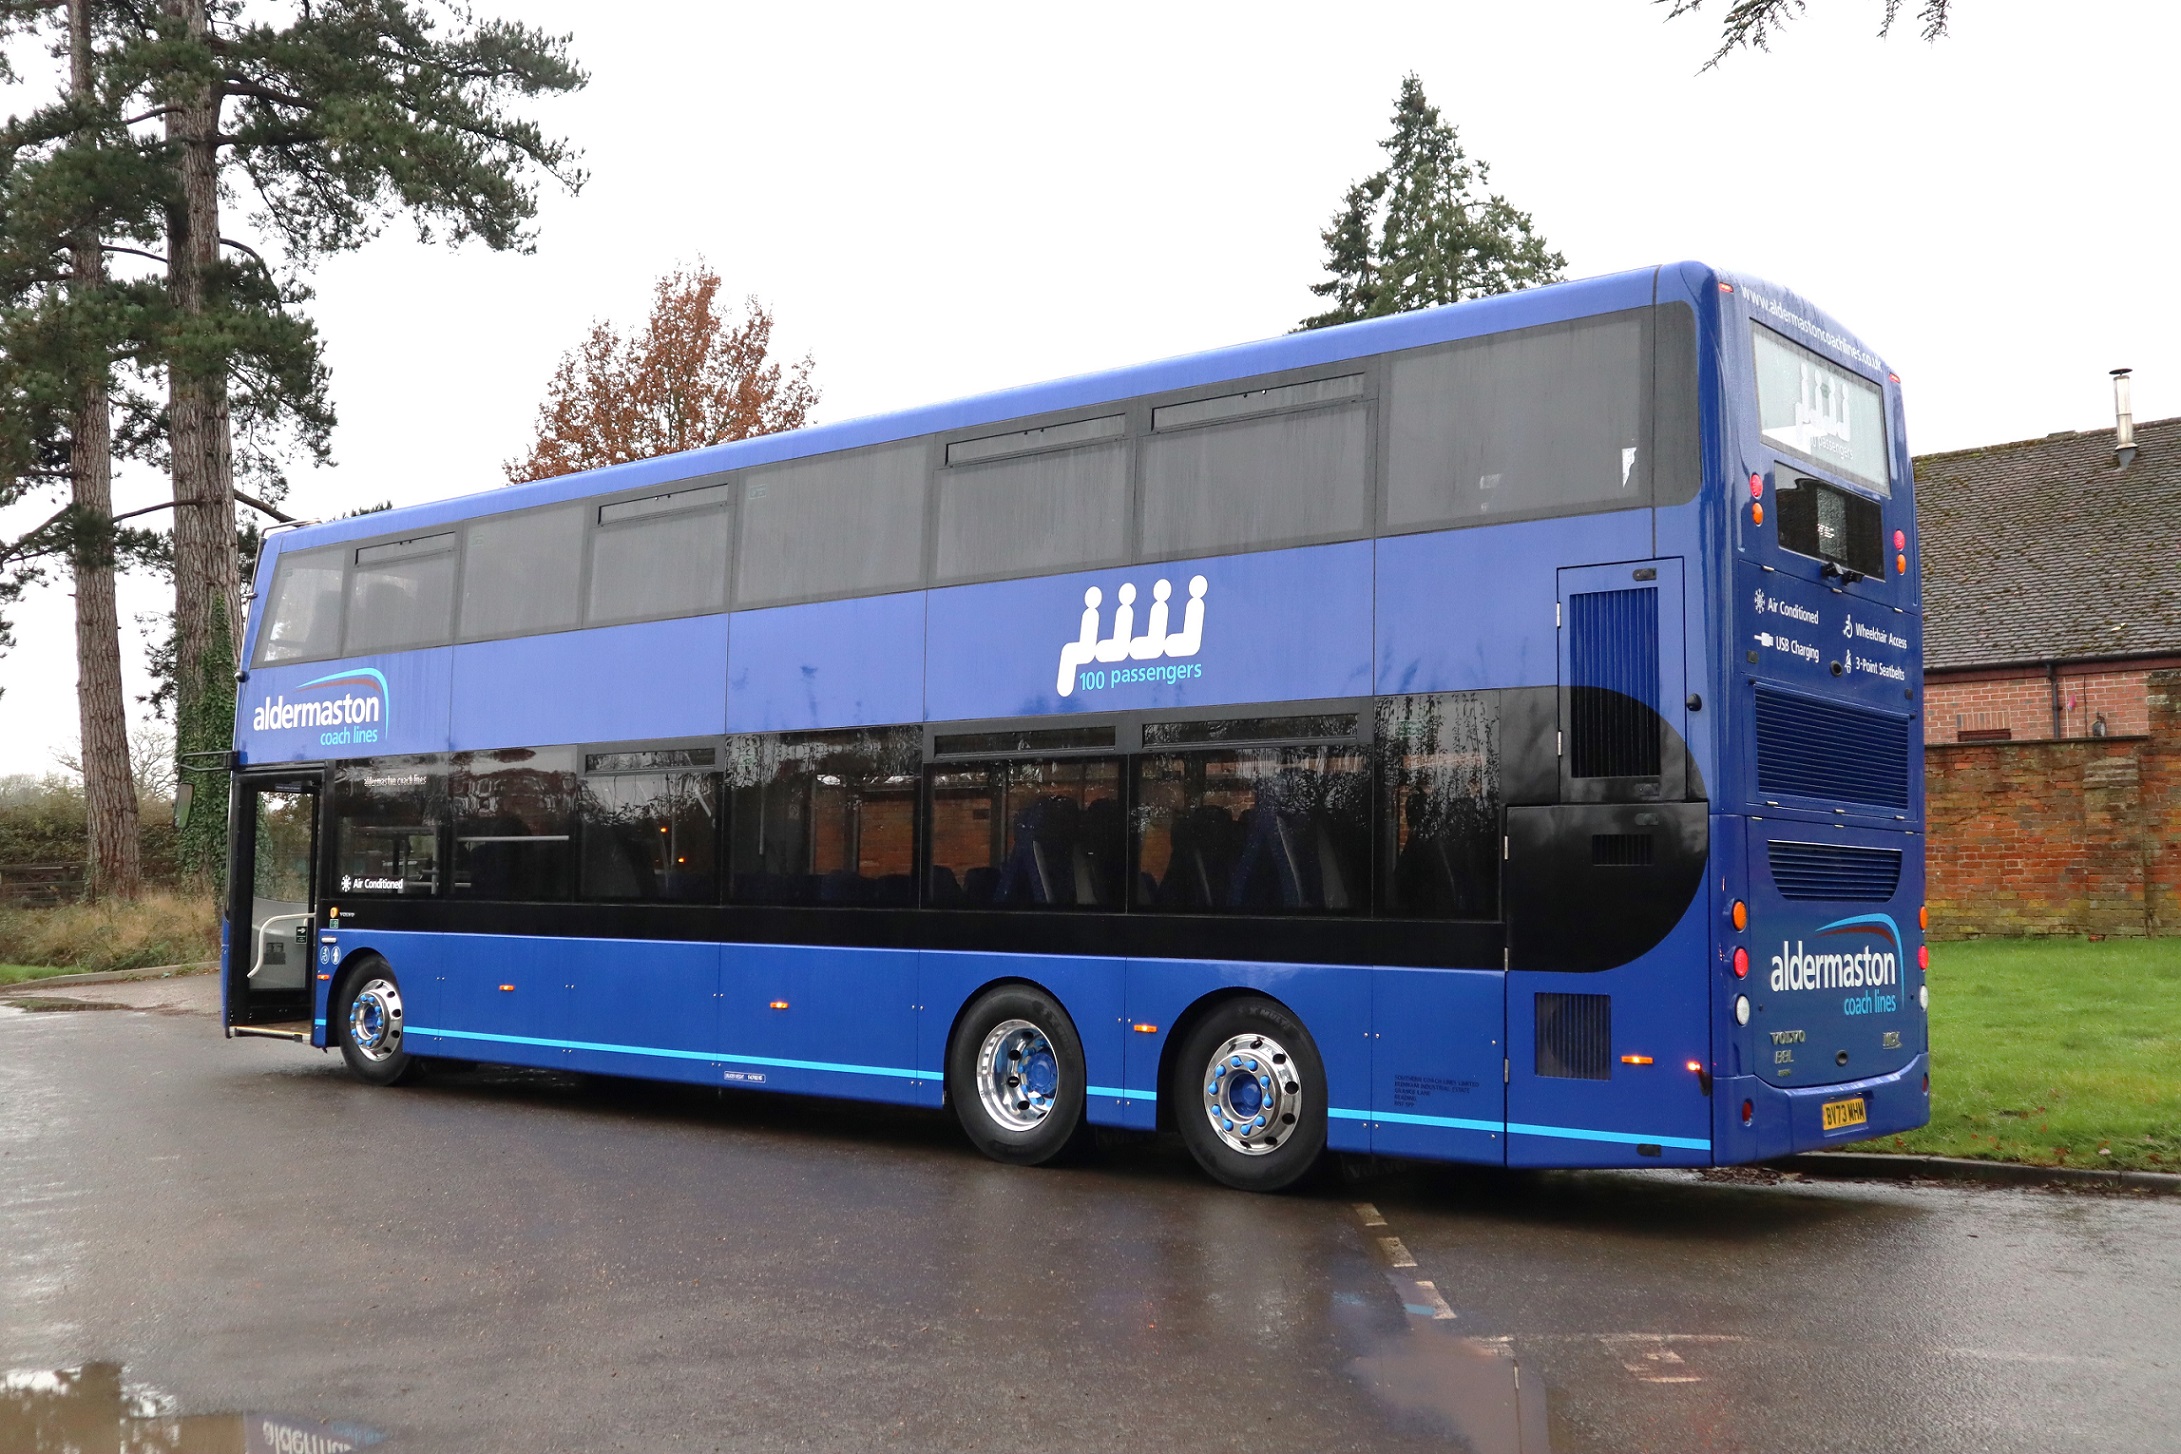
(1018, 1075)
(1253, 1094)
(374, 1020)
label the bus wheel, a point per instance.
(367, 1018)
(1015, 1075)
(1249, 1096)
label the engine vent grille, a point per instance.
(1575, 1036)
(1622, 850)
(1835, 871)
(1829, 750)
(1613, 722)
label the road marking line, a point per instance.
(1420, 1299)
(1370, 1215)
(1396, 1254)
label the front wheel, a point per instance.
(1249, 1095)
(367, 1018)
(1015, 1076)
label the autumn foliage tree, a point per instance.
(691, 376)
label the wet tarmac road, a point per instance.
(501, 1260)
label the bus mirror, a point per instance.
(183, 794)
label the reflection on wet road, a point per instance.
(502, 1260)
(95, 1410)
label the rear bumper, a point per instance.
(1783, 1121)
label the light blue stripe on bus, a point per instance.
(1116, 1091)
(1518, 1128)
(723, 1058)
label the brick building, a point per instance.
(2052, 584)
(2052, 686)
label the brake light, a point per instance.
(1923, 956)
(1749, 1110)
(1741, 963)
(1900, 540)
(1756, 487)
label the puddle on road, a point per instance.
(66, 1410)
(55, 1002)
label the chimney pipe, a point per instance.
(2124, 422)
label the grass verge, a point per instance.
(2054, 1052)
(159, 928)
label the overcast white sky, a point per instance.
(938, 200)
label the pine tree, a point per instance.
(331, 120)
(74, 184)
(1424, 230)
(1752, 23)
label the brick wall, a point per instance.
(2019, 705)
(2074, 836)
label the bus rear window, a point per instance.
(1820, 410)
(1819, 520)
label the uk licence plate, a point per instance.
(1839, 1115)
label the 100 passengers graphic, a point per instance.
(1155, 642)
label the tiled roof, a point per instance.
(2042, 551)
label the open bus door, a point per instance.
(272, 903)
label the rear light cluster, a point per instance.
(1756, 499)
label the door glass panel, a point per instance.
(280, 891)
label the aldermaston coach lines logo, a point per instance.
(341, 715)
(1873, 970)
(1123, 645)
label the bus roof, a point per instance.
(1554, 303)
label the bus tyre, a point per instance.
(1249, 1095)
(367, 1019)
(1015, 1076)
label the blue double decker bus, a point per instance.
(1486, 734)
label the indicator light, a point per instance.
(779, 1004)
(1923, 956)
(1923, 916)
(1900, 540)
(1147, 1029)
(508, 987)
(1696, 1067)
(1756, 513)
(324, 977)
(1896, 378)
(1756, 487)
(1726, 287)
(1900, 565)
(1635, 1060)
(1741, 963)
(1741, 1009)
(1741, 914)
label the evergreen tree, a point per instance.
(73, 183)
(1752, 23)
(1423, 230)
(330, 119)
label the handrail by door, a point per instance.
(264, 933)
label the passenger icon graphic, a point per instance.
(1124, 646)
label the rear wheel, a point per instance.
(1249, 1095)
(367, 1019)
(1015, 1075)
